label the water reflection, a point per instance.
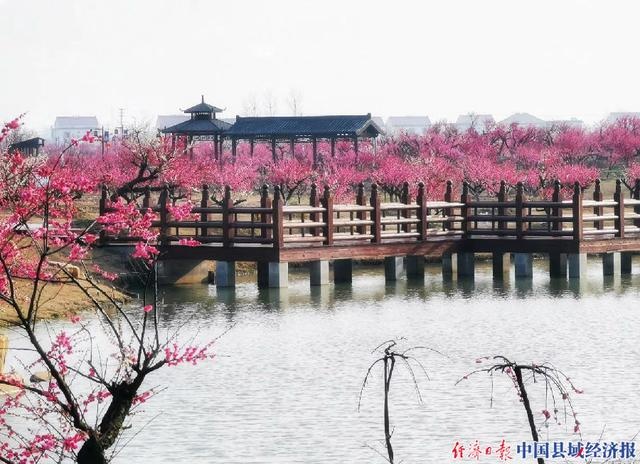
(287, 392)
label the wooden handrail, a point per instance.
(577, 212)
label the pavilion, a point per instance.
(203, 125)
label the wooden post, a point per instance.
(314, 201)
(333, 147)
(314, 145)
(278, 229)
(618, 197)
(519, 210)
(102, 208)
(327, 216)
(228, 231)
(376, 215)
(4, 347)
(216, 153)
(448, 198)
(361, 201)
(204, 203)
(273, 150)
(292, 147)
(465, 198)
(251, 144)
(355, 146)
(265, 218)
(421, 212)
(164, 212)
(636, 196)
(502, 198)
(598, 210)
(556, 211)
(234, 143)
(146, 199)
(577, 212)
(406, 214)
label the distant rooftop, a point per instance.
(168, 120)
(524, 119)
(478, 121)
(76, 122)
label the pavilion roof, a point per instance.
(203, 107)
(198, 127)
(270, 127)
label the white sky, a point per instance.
(555, 59)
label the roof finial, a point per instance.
(202, 98)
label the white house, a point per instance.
(409, 124)
(524, 119)
(613, 117)
(573, 122)
(66, 128)
(478, 121)
(168, 120)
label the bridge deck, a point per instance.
(371, 229)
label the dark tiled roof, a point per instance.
(304, 126)
(30, 143)
(203, 108)
(198, 127)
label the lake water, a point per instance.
(285, 386)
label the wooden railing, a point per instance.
(368, 220)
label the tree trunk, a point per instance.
(91, 453)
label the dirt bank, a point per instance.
(57, 300)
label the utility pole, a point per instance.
(121, 123)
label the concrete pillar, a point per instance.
(342, 271)
(557, 265)
(225, 273)
(273, 275)
(501, 265)
(183, 271)
(415, 267)
(610, 263)
(626, 259)
(319, 272)
(466, 264)
(263, 274)
(577, 265)
(393, 268)
(449, 265)
(523, 263)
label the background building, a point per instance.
(66, 128)
(409, 124)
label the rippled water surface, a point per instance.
(285, 386)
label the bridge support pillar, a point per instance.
(342, 271)
(523, 265)
(626, 259)
(577, 265)
(466, 264)
(393, 268)
(501, 265)
(319, 272)
(449, 265)
(610, 263)
(557, 265)
(273, 275)
(415, 267)
(183, 271)
(225, 273)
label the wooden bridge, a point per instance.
(274, 234)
